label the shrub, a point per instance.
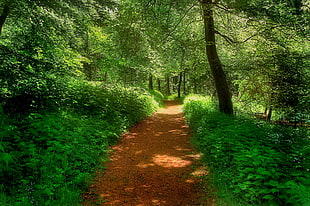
(130, 103)
(30, 84)
(46, 154)
(158, 97)
(252, 163)
(47, 158)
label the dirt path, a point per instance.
(153, 164)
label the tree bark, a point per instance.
(158, 85)
(3, 16)
(223, 91)
(184, 83)
(269, 114)
(151, 82)
(168, 85)
(180, 85)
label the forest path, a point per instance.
(153, 164)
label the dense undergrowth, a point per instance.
(252, 163)
(47, 158)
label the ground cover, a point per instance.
(47, 156)
(252, 163)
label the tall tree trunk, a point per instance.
(269, 114)
(184, 84)
(3, 16)
(180, 85)
(158, 85)
(168, 85)
(151, 82)
(223, 91)
(175, 84)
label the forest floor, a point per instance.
(153, 164)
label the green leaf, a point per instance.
(48, 192)
(268, 197)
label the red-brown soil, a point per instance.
(153, 164)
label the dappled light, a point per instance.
(153, 164)
(85, 82)
(170, 108)
(200, 172)
(145, 165)
(170, 161)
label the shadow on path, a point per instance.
(153, 164)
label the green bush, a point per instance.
(252, 163)
(47, 158)
(130, 103)
(29, 84)
(158, 96)
(45, 154)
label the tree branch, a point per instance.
(179, 21)
(227, 38)
(232, 41)
(223, 7)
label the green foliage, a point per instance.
(252, 163)
(50, 155)
(158, 97)
(112, 101)
(175, 97)
(48, 47)
(287, 13)
(290, 82)
(55, 126)
(26, 82)
(48, 158)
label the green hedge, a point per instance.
(47, 158)
(252, 163)
(131, 104)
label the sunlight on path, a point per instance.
(153, 164)
(170, 108)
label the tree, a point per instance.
(43, 43)
(223, 91)
(278, 37)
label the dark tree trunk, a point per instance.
(266, 110)
(151, 82)
(168, 85)
(223, 91)
(269, 113)
(158, 85)
(175, 84)
(180, 85)
(87, 70)
(184, 84)
(3, 16)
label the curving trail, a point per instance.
(153, 164)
